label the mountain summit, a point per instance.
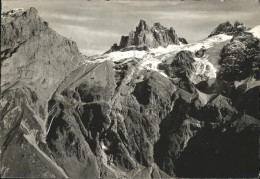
(145, 37)
(229, 29)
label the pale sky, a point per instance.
(97, 25)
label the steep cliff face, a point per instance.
(45, 57)
(171, 111)
(34, 61)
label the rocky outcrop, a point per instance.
(229, 29)
(240, 58)
(110, 118)
(114, 48)
(200, 53)
(183, 40)
(181, 66)
(151, 37)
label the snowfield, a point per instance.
(256, 31)
(208, 43)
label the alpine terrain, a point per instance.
(153, 106)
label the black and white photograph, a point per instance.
(129, 89)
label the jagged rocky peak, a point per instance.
(229, 29)
(142, 26)
(145, 37)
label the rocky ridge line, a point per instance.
(229, 29)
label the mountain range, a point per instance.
(153, 106)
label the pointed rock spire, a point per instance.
(145, 36)
(142, 26)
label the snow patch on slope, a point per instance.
(203, 97)
(256, 31)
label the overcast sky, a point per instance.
(96, 25)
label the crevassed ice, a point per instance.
(203, 70)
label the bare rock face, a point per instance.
(35, 60)
(63, 115)
(25, 36)
(150, 37)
